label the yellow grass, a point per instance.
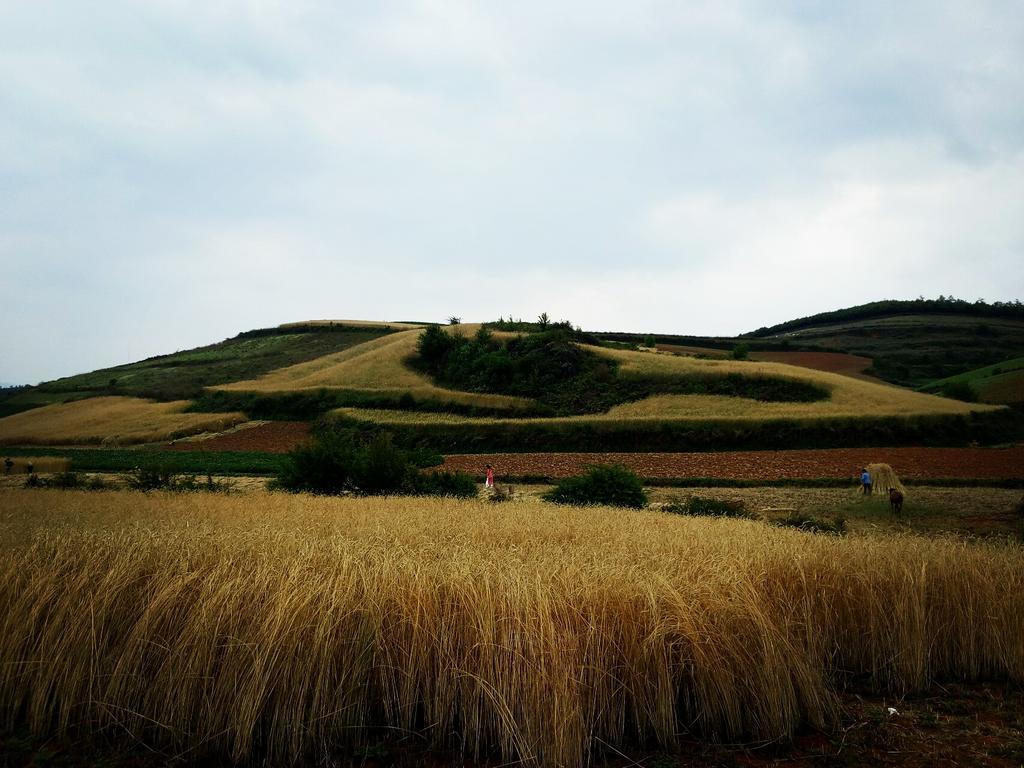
(110, 421)
(376, 366)
(296, 626)
(378, 361)
(850, 397)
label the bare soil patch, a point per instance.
(269, 437)
(913, 463)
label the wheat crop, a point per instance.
(110, 421)
(376, 366)
(297, 626)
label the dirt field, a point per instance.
(915, 463)
(271, 437)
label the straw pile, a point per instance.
(883, 478)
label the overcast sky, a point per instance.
(172, 173)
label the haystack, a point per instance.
(882, 479)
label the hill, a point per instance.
(910, 343)
(1001, 383)
(555, 388)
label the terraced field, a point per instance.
(376, 366)
(110, 421)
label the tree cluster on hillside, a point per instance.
(565, 379)
(920, 305)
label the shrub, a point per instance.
(444, 483)
(960, 390)
(164, 479)
(613, 485)
(66, 481)
(650, 341)
(698, 506)
(741, 351)
(812, 524)
(346, 462)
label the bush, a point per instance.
(811, 524)
(66, 481)
(697, 506)
(344, 461)
(612, 485)
(741, 351)
(163, 479)
(960, 390)
(650, 341)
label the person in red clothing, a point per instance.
(489, 482)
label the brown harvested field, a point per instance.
(915, 463)
(270, 437)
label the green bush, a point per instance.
(702, 507)
(741, 351)
(66, 481)
(650, 341)
(613, 485)
(156, 478)
(960, 390)
(812, 524)
(343, 461)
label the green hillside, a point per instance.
(910, 343)
(1000, 383)
(184, 375)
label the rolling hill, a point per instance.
(909, 343)
(363, 373)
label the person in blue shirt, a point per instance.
(865, 481)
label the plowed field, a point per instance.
(917, 463)
(270, 437)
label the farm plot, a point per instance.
(269, 437)
(376, 367)
(911, 463)
(110, 421)
(287, 628)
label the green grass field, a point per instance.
(999, 383)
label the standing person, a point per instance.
(30, 467)
(489, 482)
(865, 481)
(8, 465)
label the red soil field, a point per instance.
(916, 463)
(271, 437)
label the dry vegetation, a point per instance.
(110, 421)
(850, 397)
(535, 632)
(377, 366)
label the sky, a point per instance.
(172, 173)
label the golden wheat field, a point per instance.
(850, 397)
(298, 626)
(376, 366)
(110, 421)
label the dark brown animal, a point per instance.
(895, 500)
